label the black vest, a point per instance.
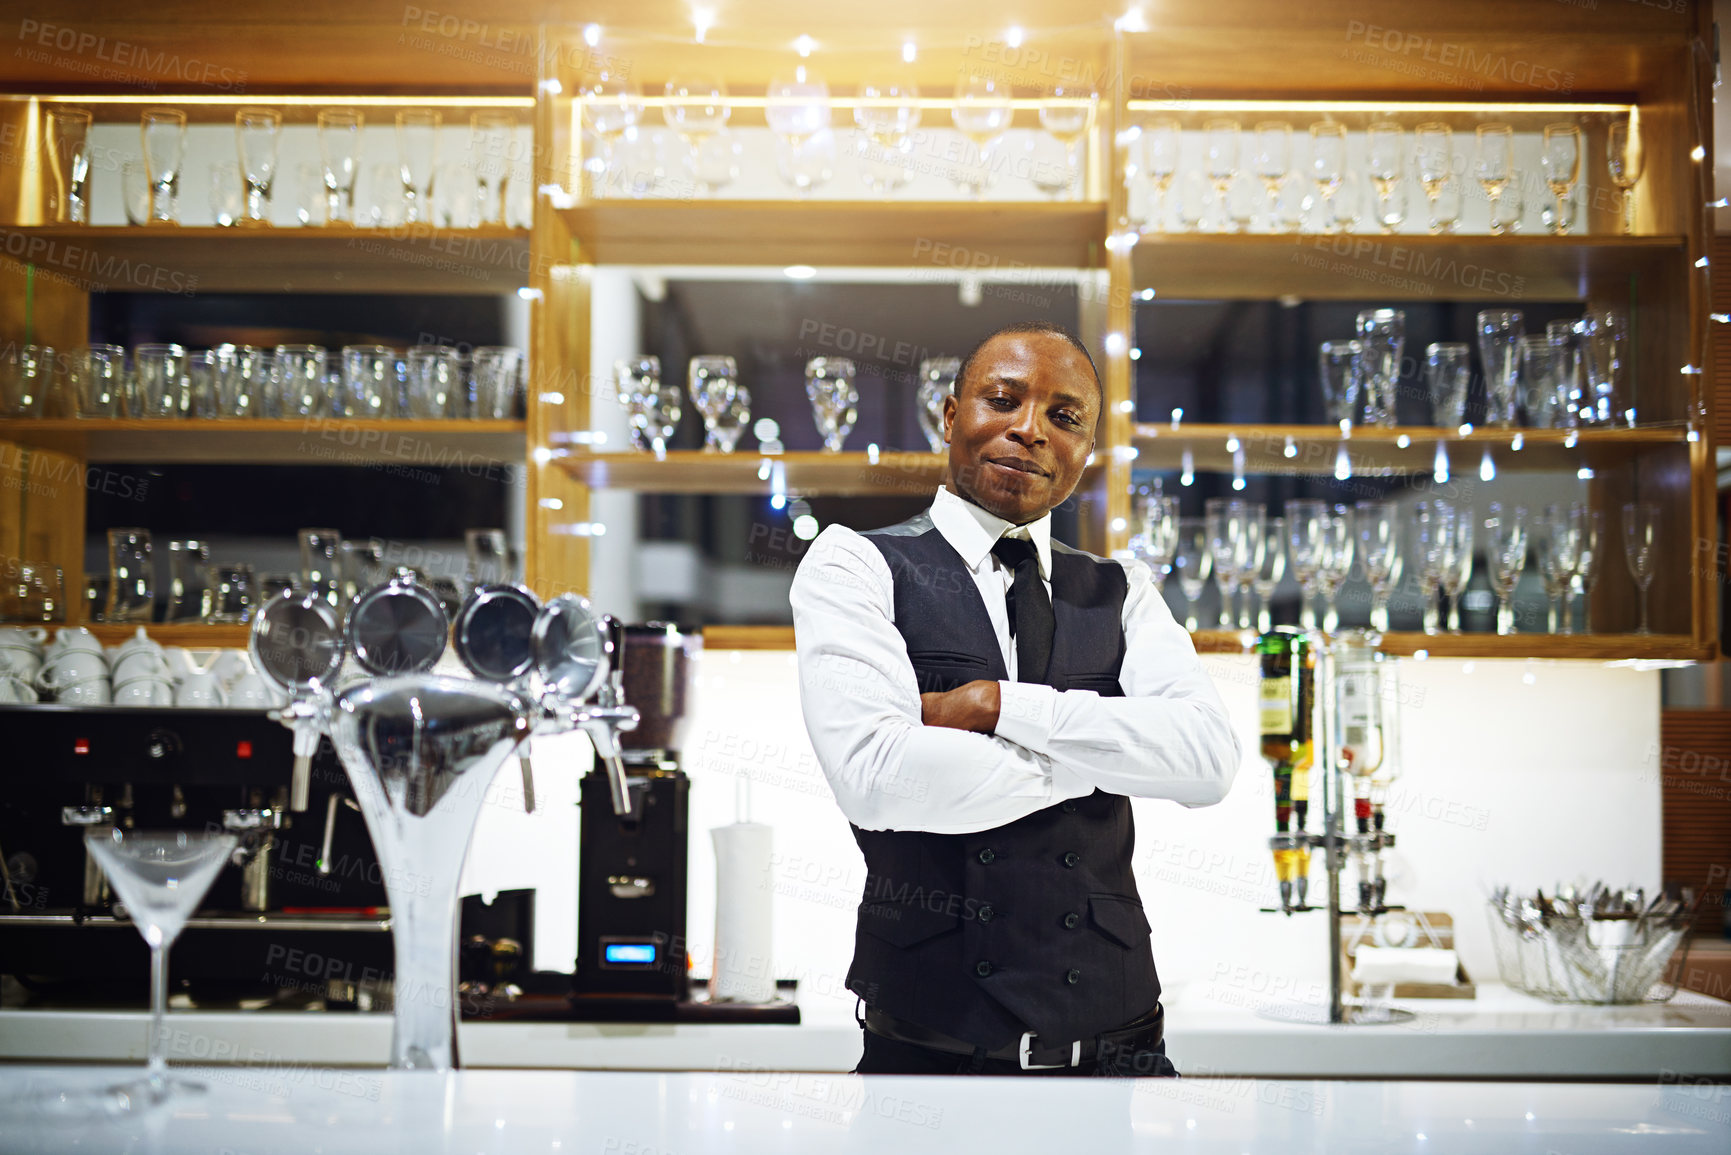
(1035, 925)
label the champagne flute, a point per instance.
(1379, 551)
(1157, 540)
(1162, 144)
(887, 114)
(257, 131)
(1641, 549)
(1500, 332)
(611, 105)
(981, 113)
(1562, 164)
(1587, 569)
(1433, 529)
(490, 134)
(1494, 166)
(164, 132)
(1192, 561)
(418, 157)
(1267, 577)
(1220, 153)
(340, 150)
(1506, 555)
(1225, 525)
(1327, 165)
(1306, 529)
(1559, 555)
(1433, 147)
(829, 386)
(1253, 541)
(1271, 157)
(1625, 157)
(1339, 540)
(1387, 144)
(1458, 565)
(1065, 116)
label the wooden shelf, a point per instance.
(694, 471)
(1395, 268)
(1378, 452)
(298, 441)
(191, 635)
(943, 236)
(186, 260)
(747, 638)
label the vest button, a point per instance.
(1071, 858)
(1072, 921)
(987, 914)
(986, 856)
(983, 969)
(1069, 807)
(1073, 977)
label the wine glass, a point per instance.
(1458, 565)
(1192, 561)
(1433, 149)
(1494, 166)
(1506, 557)
(937, 381)
(887, 114)
(1342, 374)
(161, 877)
(1271, 158)
(1379, 552)
(417, 156)
(635, 379)
(806, 162)
(164, 132)
(696, 108)
(1500, 332)
(1562, 165)
(712, 382)
(1327, 165)
(1252, 517)
(1339, 539)
(1225, 518)
(490, 134)
(981, 113)
(1382, 333)
(1641, 549)
(1625, 157)
(1220, 155)
(733, 418)
(1306, 537)
(1065, 117)
(662, 408)
(611, 105)
(1271, 568)
(340, 151)
(1162, 144)
(1587, 568)
(1387, 144)
(1157, 539)
(1448, 371)
(1559, 555)
(257, 131)
(829, 386)
(1433, 528)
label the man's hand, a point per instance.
(970, 707)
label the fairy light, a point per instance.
(1013, 38)
(909, 52)
(804, 45)
(1402, 441)
(1345, 428)
(1291, 449)
(1342, 465)
(1570, 439)
(1237, 468)
(1188, 467)
(592, 34)
(1487, 467)
(1115, 344)
(1440, 468)
(702, 20)
(1232, 444)
(1516, 442)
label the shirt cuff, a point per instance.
(1025, 711)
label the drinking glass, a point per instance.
(611, 105)
(1458, 565)
(234, 373)
(829, 386)
(135, 191)
(1382, 333)
(1389, 209)
(662, 408)
(1307, 541)
(490, 138)
(417, 157)
(937, 381)
(164, 134)
(300, 380)
(1500, 332)
(1448, 371)
(340, 151)
(1271, 568)
(369, 380)
(1220, 143)
(1271, 158)
(1587, 569)
(199, 397)
(1625, 158)
(981, 113)
(160, 877)
(1156, 539)
(1327, 165)
(1386, 141)
(1573, 339)
(1559, 555)
(1252, 519)
(1613, 398)
(1433, 530)
(1433, 149)
(711, 381)
(1195, 201)
(1045, 161)
(189, 592)
(1493, 167)
(98, 377)
(1225, 519)
(1339, 540)
(435, 377)
(310, 196)
(321, 566)
(887, 114)
(1379, 553)
(1562, 164)
(488, 554)
(634, 378)
(31, 592)
(495, 382)
(715, 161)
(131, 576)
(227, 194)
(160, 371)
(1162, 145)
(1641, 549)
(233, 593)
(806, 162)
(257, 131)
(1506, 557)
(1192, 561)
(1541, 381)
(1342, 369)
(1065, 118)
(26, 371)
(68, 146)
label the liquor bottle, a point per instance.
(1285, 696)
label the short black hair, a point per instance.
(1046, 327)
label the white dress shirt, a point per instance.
(1167, 737)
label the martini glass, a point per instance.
(161, 876)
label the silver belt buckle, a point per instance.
(1026, 1046)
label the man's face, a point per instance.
(1021, 427)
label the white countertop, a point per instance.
(1211, 1030)
(301, 1111)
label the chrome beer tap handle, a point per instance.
(308, 715)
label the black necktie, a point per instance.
(1030, 608)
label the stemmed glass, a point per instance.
(490, 136)
(1271, 158)
(1382, 333)
(1306, 534)
(1327, 165)
(1500, 332)
(1066, 121)
(1342, 375)
(1226, 543)
(1433, 148)
(1625, 158)
(1562, 163)
(1379, 552)
(611, 105)
(1448, 371)
(981, 113)
(1433, 530)
(937, 381)
(1220, 152)
(1559, 555)
(1271, 568)
(1387, 143)
(418, 157)
(1337, 556)
(161, 877)
(1494, 166)
(1641, 549)
(1253, 542)
(887, 114)
(1157, 539)
(1192, 561)
(635, 381)
(164, 133)
(1506, 555)
(798, 112)
(340, 150)
(698, 110)
(829, 386)
(712, 382)
(1587, 569)
(257, 131)
(1162, 144)
(1458, 565)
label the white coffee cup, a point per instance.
(87, 692)
(141, 664)
(251, 692)
(71, 666)
(138, 641)
(15, 691)
(24, 637)
(144, 692)
(230, 666)
(20, 660)
(199, 690)
(73, 638)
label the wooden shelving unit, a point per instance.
(297, 441)
(849, 474)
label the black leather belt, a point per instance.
(1029, 1051)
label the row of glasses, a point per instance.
(653, 407)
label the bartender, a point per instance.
(984, 702)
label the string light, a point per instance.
(702, 20)
(592, 34)
(1487, 467)
(804, 45)
(909, 52)
(1013, 38)
(1440, 468)
(1188, 466)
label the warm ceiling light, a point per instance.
(804, 45)
(702, 19)
(1014, 36)
(909, 52)
(592, 34)
(799, 272)
(1132, 21)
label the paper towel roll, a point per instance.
(1380, 964)
(744, 914)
